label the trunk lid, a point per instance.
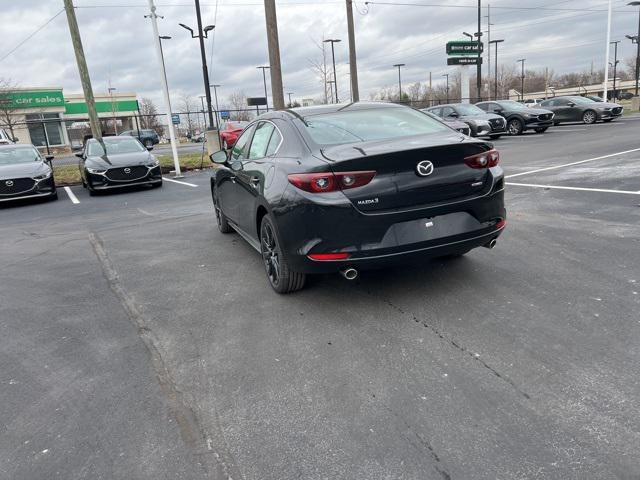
(397, 184)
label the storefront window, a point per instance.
(45, 128)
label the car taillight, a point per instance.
(483, 160)
(326, 257)
(330, 182)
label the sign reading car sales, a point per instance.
(463, 61)
(464, 48)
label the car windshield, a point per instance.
(10, 156)
(371, 124)
(115, 146)
(469, 110)
(513, 105)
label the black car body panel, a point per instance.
(482, 123)
(398, 215)
(28, 180)
(531, 118)
(573, 109)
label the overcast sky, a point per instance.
(562, 35)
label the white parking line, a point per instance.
(181, 183)
(572, 163)
(71, 195)
(580, 189)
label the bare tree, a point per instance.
(238, 101)
(8, 117)
(320, 69)
(188, 106)
(149, 116)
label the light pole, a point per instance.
(615, 68)
(290, 103)
(164, 68)
(113, 110)
(399, 66)
(447, 75)
(202, 34)
(495, 87)
(333, 56)
(202, 97)
(522, 60)
(264, 80)
(215, 95)
(636, 40)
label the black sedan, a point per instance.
(481, 123)
(519, 117)
(126, 163)
(451, 122)
(581, 109)
(25, 174)
(340, 188)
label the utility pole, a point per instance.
(215, 96)
(202, 34)
(606, 57)
(264, 80)
(353, 67)
(479, 66)
(615, 68)
(113, 107)
(636, 40)
(399, 66)
(522, 60)
(290, 102)
(495, 86)
(333, 56)
(96, 131)
(274, 54)
(430, 91)
(489, 50)
(447, 75)
(202, 97)
(164, 67)
(165, 88)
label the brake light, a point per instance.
(325, 257)
(501, 224)
(483, 160)
(330, 182)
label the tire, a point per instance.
(221, 220)
(541, 129)
(515, 126)
(148, 143)
(281, 278)
(589, 117)
(494, 137)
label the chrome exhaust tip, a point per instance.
(491, 244)
(349, 273)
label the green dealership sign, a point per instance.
(35, 99)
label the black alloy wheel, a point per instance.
(280, 276)
(515, 126)
(221, 219)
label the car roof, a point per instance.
(339, 107)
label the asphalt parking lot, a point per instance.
(138, 342)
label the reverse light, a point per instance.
(483, 160)
(327, 257)
(330, 182)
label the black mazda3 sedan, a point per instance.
(519, 117)
(340, 188)
(25, 174)
(126, 163)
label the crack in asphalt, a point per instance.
(190, 428)
(457, 346)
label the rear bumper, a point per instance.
(385, 239)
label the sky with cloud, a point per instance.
(561, 35)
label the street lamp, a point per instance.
(637, 42)
(333, 56)
(164, 68)
(447, 75)
(399, 66)
(522, 60)
(615, 68)
(202, 34)
(495, 87)
(264, 79)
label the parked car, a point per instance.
(343, 188)
(230, 131)
(519, 117)
(580, 109)
(25, 174)
(147, 136)
(125, 164)
(480, 122)
(532, 102)
(451, 122)
(5, 138)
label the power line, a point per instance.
(31, 35)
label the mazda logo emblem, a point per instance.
(127, 170)
(9, 183)
(424, 168)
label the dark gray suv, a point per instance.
(147, 137)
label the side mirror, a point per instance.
(219, 157)
(150, 147)
(48, 158)
(454, 115)
(79, 154)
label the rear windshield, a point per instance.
(372, 124)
